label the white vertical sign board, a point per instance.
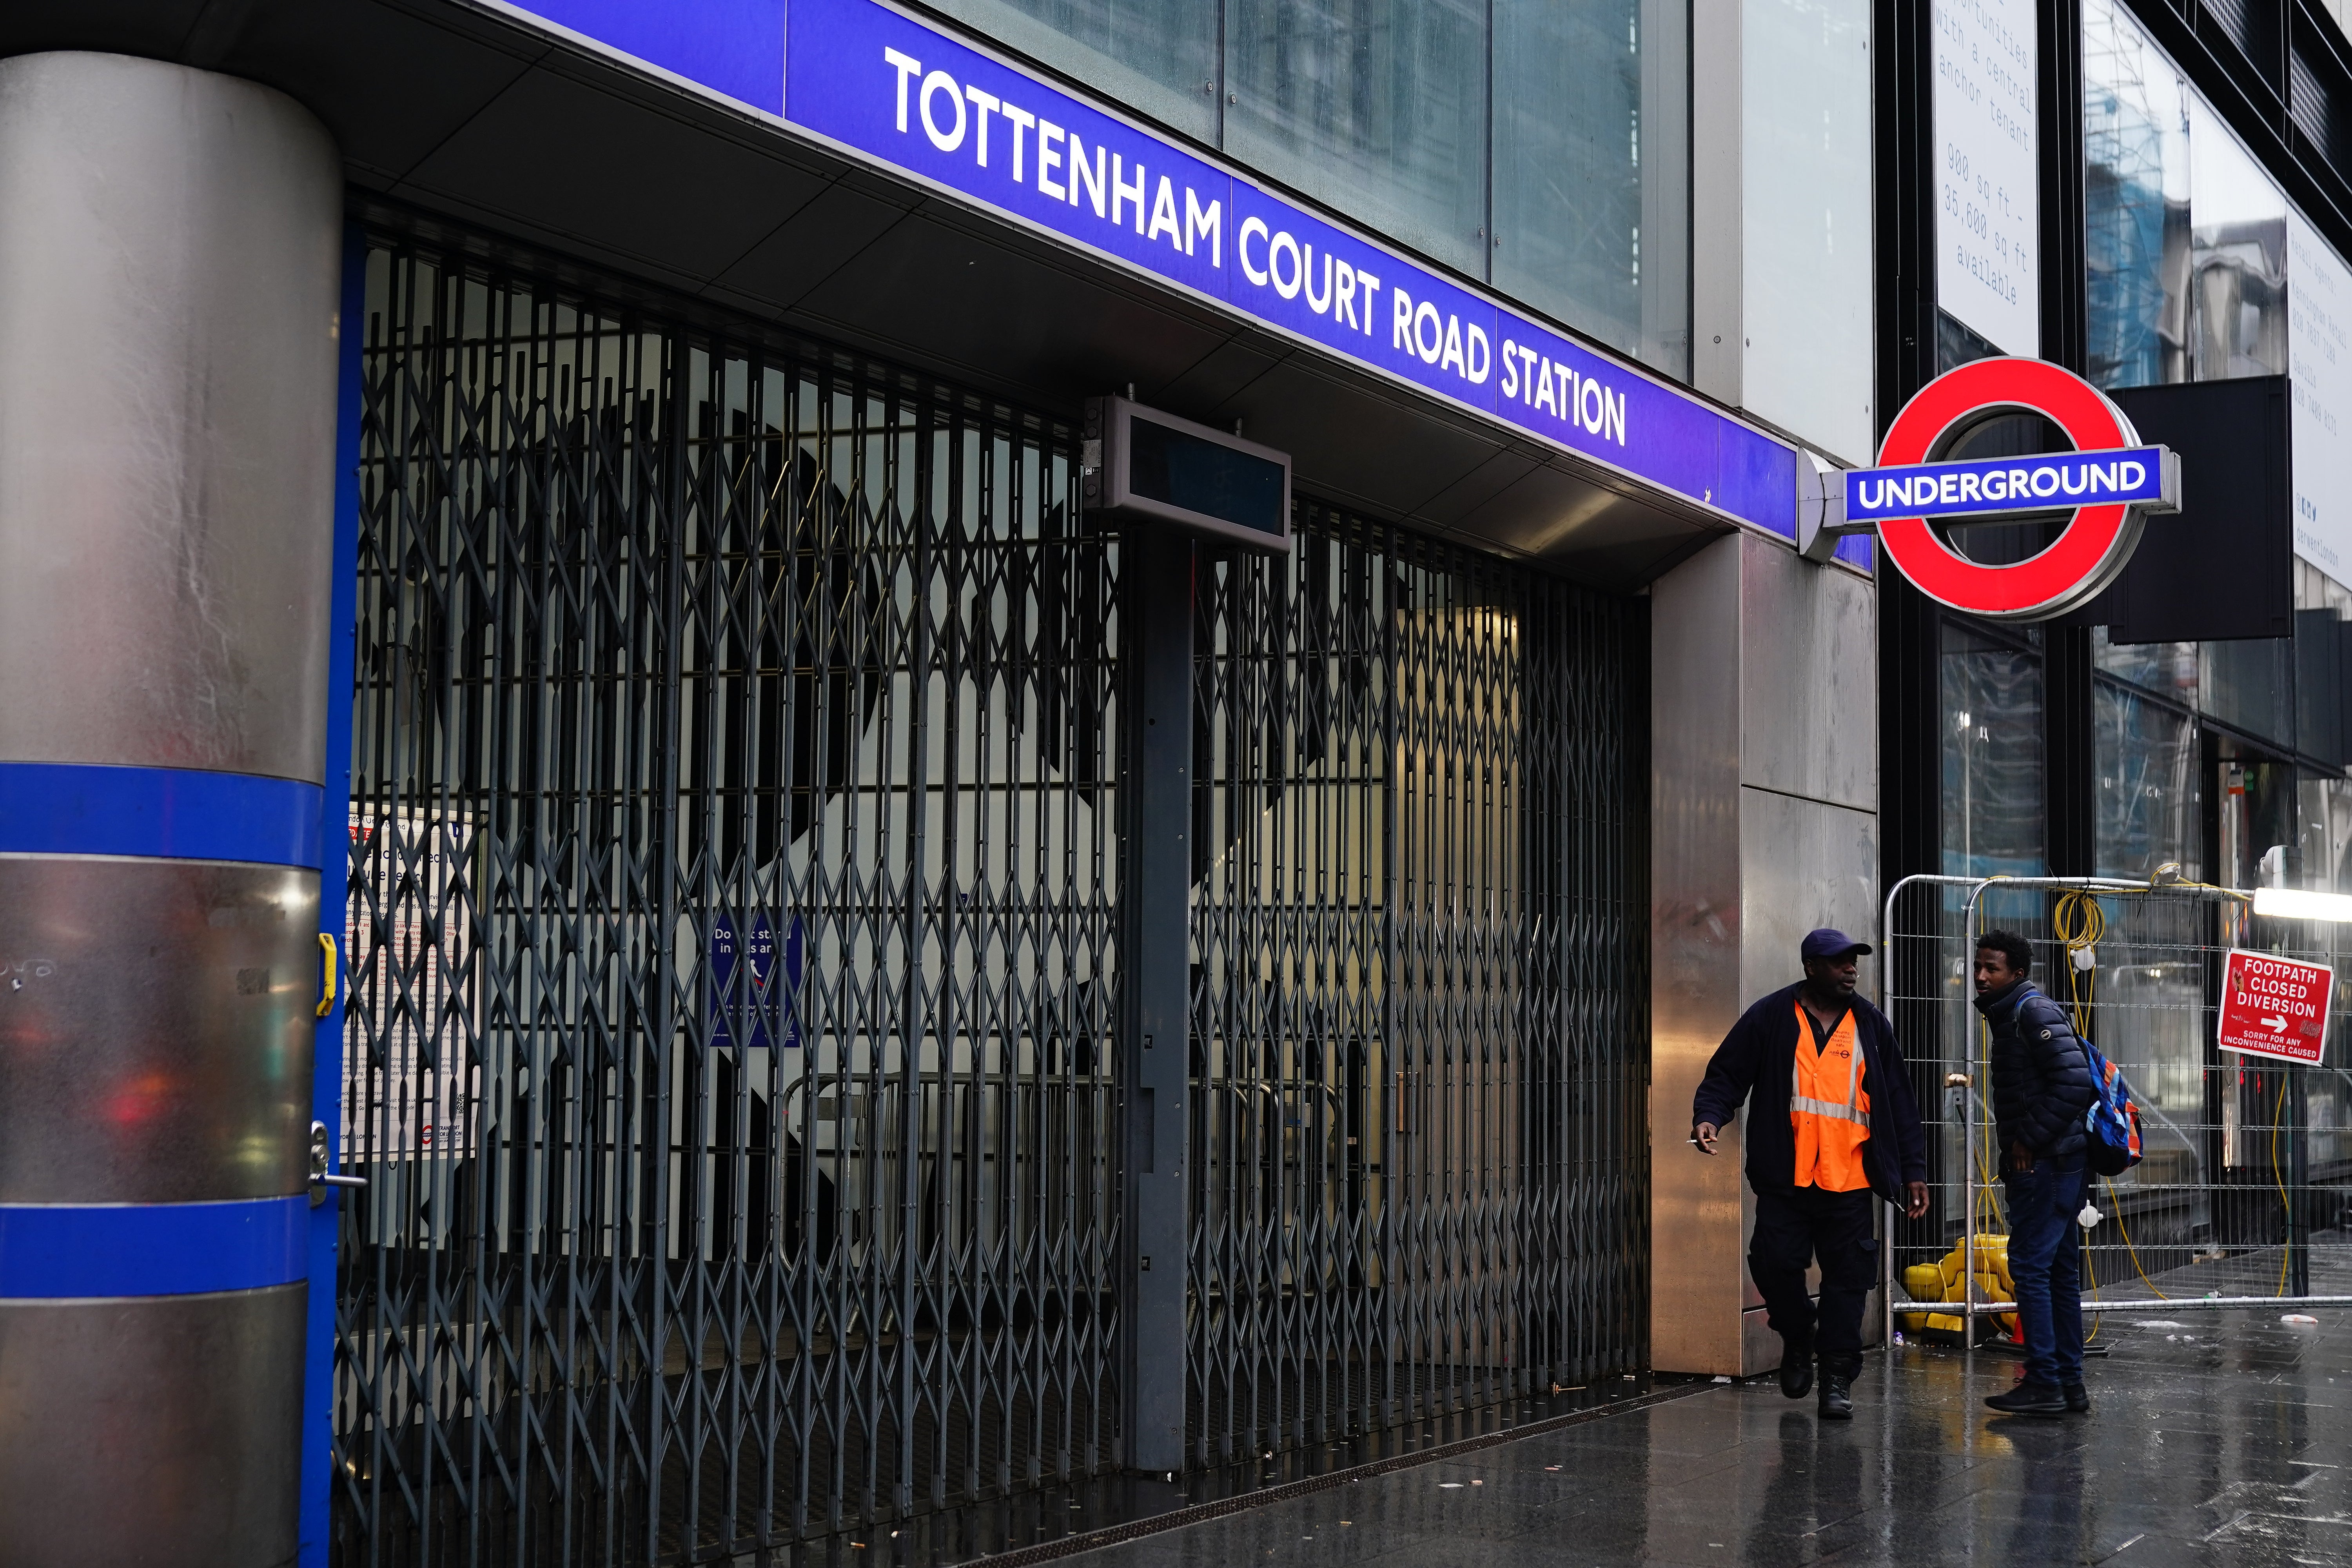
(422, 985)
(1987, 185)
(2319, 370)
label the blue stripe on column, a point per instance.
(152, 1249)
(75, 808)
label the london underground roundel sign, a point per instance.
(2108, 484)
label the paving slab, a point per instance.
(2224, 1444)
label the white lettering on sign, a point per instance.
(1061, 166)
(1556, 389)
(2275, 1006)
(1987, 174)
(1096, 181)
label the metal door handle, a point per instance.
(322, 1175)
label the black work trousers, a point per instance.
(1794, 1227)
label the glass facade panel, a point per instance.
(2186, 235)
(2136, 190)
(1805, 267)
(1377, 106)
(1592, 167)
(2250, 685)
(2322, 647)
(2167, 668)
(2150, 801)
(1155, 55)
(1540, 145)
(2237, 256)
(1993, 798)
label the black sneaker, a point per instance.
(1797, 1372)
(2030, 1399)
(2078, 1399)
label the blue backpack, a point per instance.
(2113, 1121)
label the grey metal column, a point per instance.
(170, 246)
(1158, 564)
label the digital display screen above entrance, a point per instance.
(2108, 485)
(1140, 462)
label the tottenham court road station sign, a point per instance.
(2108, 484)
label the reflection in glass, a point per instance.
(2136, 195)
(2322, 647)
(2166, 668)
(2237, 297)
(1377, 106)
(1158, 55)
(2250, 684)
(1992, 807)
(2150, 807)
(1591, 168)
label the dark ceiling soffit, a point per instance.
(443, 108)
(855, 245)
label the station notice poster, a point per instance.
(2276, 1007)
(412, 1079)
(1988, 171)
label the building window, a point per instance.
(1377, 106)
(1542, 146)
(1993, 798)
(1591, 157)
(2150, 801)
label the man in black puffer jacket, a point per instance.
(2041, 1091)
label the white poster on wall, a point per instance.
(416, 991)
(2319, 370)
(1987, 186)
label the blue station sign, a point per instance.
(2136, 476)
(894, 90)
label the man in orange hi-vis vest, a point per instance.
(1831, 1121)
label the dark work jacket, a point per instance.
(1759, 1056)
(2042, 1086)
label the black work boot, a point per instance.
(1837, 1386)
(2032, 1399)
(1796, 1368)
(2078, 1399)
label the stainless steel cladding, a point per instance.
(155, 1028)
(170, 267)
(162, 1431)
(169, 270)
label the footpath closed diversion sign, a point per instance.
(2275, 1006)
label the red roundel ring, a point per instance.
(2083, 559)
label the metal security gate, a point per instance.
(1419, 948)
(2244, 1190)
(736, 991)
(732, 942)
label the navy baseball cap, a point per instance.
(1831, 942)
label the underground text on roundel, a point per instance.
(2134, 475)
(868, 78)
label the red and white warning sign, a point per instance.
(2275, 1006)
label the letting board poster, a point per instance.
(2319, 350)
(1987, 186)
(2275, 1006)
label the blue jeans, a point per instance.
(2045, 1260)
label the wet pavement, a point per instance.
(2215, 1438)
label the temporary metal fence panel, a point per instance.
(2245, 1189)
(732, 953)
(1419, 1024)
